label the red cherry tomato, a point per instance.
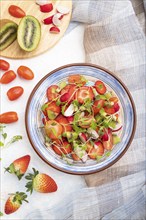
(51, 92)
(8, 77)
(15, 92)
(8, 117)
(4, 65)
(97, 105)
(16, 12)
(100, 87)
(25, 72)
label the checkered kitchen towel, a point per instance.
(114, 38)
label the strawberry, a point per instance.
(84, 93)
(100, 87)
(19, 166)
(52, 93)
(40, 182)
(97, 105)
(64, 122)
(14, 202)
(70, 90)
(75, 157)
(53, 129)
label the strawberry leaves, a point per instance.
(31, 177)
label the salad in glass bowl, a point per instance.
(82, 119)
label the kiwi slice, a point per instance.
(29, 33)
(8, 33)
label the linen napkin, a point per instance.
(114, 39)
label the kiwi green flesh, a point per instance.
(29, 33)
(8, 33)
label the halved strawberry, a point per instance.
(84, 93)
(64, 148)
(53, 129)
(100, 87)
(108, 145)
(89, 147)
(64, 122)
(53, 110)
(97, 150)
(97, 105)
(70, 119)
(77, 79)
(52, 93)
(40, 182)
(14, 202)
(19, 166)
(70, 90)
(116, 107)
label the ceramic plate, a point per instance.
(34, 117)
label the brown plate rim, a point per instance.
(128, 93)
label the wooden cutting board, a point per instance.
(48, 40)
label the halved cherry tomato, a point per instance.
(112, 109)
(113, 99)
(51, 92)
(15, 92)
(86, 122)
(108, 145)
(53, 107)
(100, 87)
(65, 148)
(98, 151)
(97, 105)
(84, 93)
(53, 129)
(77, 79)
(75, 157)
(8, 117)
(8, 77)
(25, 72)
(4, 65)
(64, 122)
(109, 110)
(16, 11)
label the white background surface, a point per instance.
(68, 50)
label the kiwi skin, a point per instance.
(5, 26)
(29, 33)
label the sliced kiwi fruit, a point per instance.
(29, 33)
(8, 33)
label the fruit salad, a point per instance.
(81, 119)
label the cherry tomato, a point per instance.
(98, 151)
(97, 105)
(8, 117)
(77, 79)
(15, 93)
(113, 99)
(8, 77)
(51, 92)
(16, 12)
(100, 87)
(4, 65)
(25, 72)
